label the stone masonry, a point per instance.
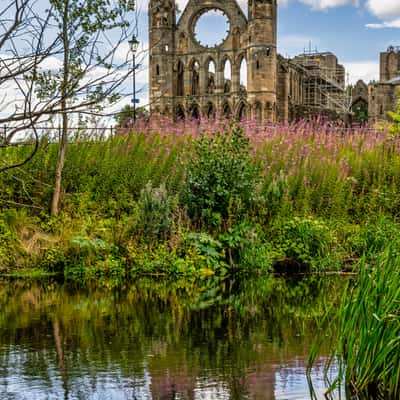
(183, 85)
(383, 95)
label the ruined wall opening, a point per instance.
(194, 111)
(226, 111)
(211, 69)
(242, 112)
(214, 37)
(243, 74)
(180, 79)
(211, 112)
(179, 113)
(195, 78)
(227, 66)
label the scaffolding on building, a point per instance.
(324, 82)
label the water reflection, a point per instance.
(159, 341)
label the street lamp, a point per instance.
(134, 44)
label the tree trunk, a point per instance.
(63, 140)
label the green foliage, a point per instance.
(222, 177)
(125, 117)
(246, 247)
(156, 209)
(394, 127)
(9, 243)
(307, 240)
(368, 322)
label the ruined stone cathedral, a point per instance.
(188, 79)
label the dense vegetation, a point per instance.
(203, 203)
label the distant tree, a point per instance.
(89, 73)
(360, 111)
(125, 117)
(59, 58)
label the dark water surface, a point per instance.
(161, 341)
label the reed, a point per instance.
(367, 327)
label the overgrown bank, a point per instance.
(302, 197)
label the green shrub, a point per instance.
(156, 209)
(221, 176)
(246, 247)
(307, 240)
(368, 326)
(10, 245)
(374, 236)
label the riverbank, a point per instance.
(199, 204)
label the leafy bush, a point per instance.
(221, 176)
(307, 240)
(375, 236)
(156, 209)
(246, 247)
(8, 239)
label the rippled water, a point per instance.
(228, 340)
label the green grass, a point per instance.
(367, 325)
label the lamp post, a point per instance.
(133, 44)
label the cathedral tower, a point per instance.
(162, 23)
(262, 58)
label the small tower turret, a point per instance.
(162, 21)
(262, 57)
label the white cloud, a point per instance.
(386, 10)
(290, 45)
(325, 4)
(365, 70)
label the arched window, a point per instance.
(243, 74)
(179, 112)
(242, 112)
(227, 76)
(211, 77)
(210, 111)
(194, 112)
(226, 110)
(180, 81)
(195, 70)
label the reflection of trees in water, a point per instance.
(157, 337)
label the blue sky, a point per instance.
(355, 30)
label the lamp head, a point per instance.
(133, 44)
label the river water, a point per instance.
(234, 339)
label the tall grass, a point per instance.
(322, 177)
(368, 326)
(328, 170)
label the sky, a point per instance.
(355, 30)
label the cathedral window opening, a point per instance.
(258, 65)
(226, 111)
(166, 48)
(216, 36)
(210, 111)
(157, 70)
(180, 84)
(179, 113)
(211, 77)
(227, 76)
(242, 112)
(194, 112)
(195, 78)
(243, 74)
